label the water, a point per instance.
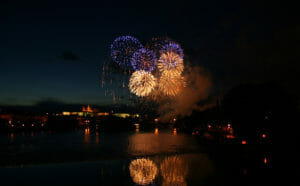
(155, 157)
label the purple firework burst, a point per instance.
(143, 59)
(123, 48)
(172, 46)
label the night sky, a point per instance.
(55, 50)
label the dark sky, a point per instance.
(55, 50)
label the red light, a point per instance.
(263, 135)
(265, 160)
(244, 142)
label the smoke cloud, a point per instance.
(197, 90)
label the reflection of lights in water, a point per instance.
(265, 161)
(97, 137)
(87, 135)
(175, 131)
(143, 171)
(87, 131)
(137, 127)
(11, 136)
(141, 144)
(229, 136)
(156, 131)
(174, 170)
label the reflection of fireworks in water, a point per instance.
(123, 48)
(174, 170)
(171, 83)
(143, 171)
(142, 83)
(143, 59)
(170, 61)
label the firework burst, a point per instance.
(143, 59)
(123, 48)
(172, 46)
(170, 61)
(142, 83)
(171, 83)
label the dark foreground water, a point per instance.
(158, 157)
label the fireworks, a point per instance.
(170, 61)
(172, 46)
(171, 83)
(143, 59)
(142, 83)
(156, 44)
(143, 171)
(158, 66)
(123, 48)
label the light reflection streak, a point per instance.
(174, 171)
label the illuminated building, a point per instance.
(89, 112)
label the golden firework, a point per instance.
(171, 83)
(143, 171)
(142, 83)
(170, 61)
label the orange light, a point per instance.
(175, 131)
(156, 131)
(87, 131)
(265, 160)
(229, 136)
(244, 142)
(11, 136)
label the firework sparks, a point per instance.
(170, 61)
(174, 47)
(143, 59)
(143, 171)
(142, 83)
(171, 83)
(123, 48)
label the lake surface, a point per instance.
(153, 157)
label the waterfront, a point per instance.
(87, 157)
